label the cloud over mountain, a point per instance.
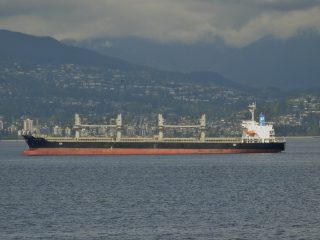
(238, 22)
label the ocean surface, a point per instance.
(249, 196)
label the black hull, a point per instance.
(147, 147)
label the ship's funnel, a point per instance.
(262, 119)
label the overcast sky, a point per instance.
(238, 22)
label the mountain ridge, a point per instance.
(289, 64)
(29, 49)
(48, 85)
(62, 79)
(43, 50)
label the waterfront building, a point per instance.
(28, 125)
(57, 131)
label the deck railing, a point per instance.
(155, 139)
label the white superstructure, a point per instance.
(257, 131)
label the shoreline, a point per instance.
(301, 137)
(11, 140)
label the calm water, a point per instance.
(258, 196)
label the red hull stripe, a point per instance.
(134, 151)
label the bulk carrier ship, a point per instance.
(257, 137)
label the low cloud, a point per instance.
(239, 22)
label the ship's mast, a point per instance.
(160, 126)
(203, 128)
(77, 125)
(252, 108)
(119, 127)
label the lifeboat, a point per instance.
(251, 132)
